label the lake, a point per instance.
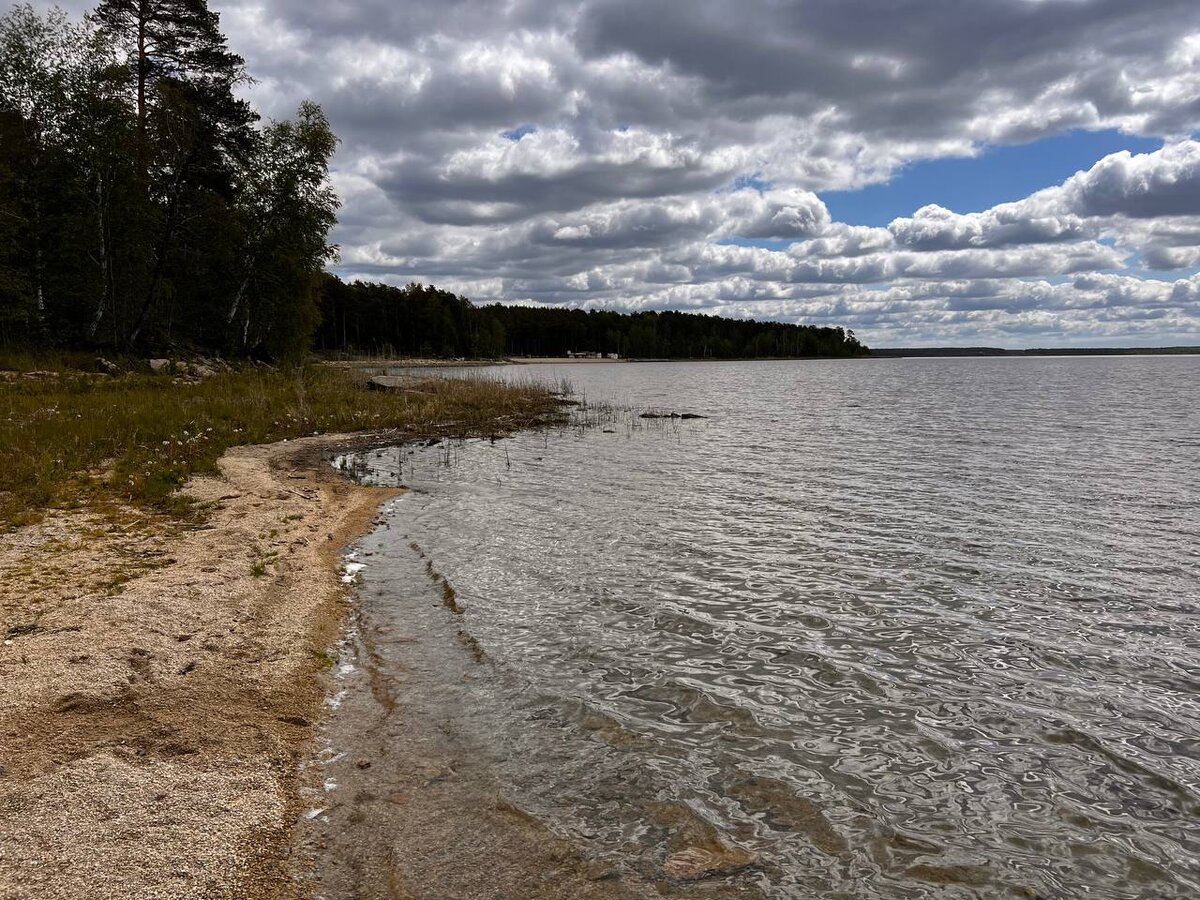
(902, 628)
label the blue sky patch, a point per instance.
(998, 175)
(755, 181)
(515, 134)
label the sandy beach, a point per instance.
(160, 682)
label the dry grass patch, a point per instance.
(87, 439)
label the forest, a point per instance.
(146, 206)
(143, 203)
(362, 318)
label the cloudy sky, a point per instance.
(926, 172)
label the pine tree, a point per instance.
(179, 40)
(193, 132)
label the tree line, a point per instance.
(143, 203)
(363, 318)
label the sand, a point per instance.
(159, 684)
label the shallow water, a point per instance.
(905, 628)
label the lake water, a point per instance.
(903, 628)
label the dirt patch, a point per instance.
(158, 682)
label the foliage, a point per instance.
(142, 204)
(420, 320)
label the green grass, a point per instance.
(63, 360)
(79, 438)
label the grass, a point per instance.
(76, 438)
(60, 360)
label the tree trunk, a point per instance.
(237, 299)
(39, 264)
(142, 74)
(160, 264)
(105, 261)
(163, 251)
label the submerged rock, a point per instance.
(785, 810)
(699, 850)
(697, 862)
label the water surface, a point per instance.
(905, 628)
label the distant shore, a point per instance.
(368, 364)
(563, 360)
(892, 353)
(378, 366)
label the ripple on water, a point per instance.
(893, 627)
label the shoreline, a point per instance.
(404, 801)
(381, 366)
(404, 786)
(162, 683)
(159, 736)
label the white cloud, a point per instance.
(639, 118)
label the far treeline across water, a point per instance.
(362, 318)
(145, 206)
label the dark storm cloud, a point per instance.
(508, 184)
(911, 66)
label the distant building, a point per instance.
(584, 354)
